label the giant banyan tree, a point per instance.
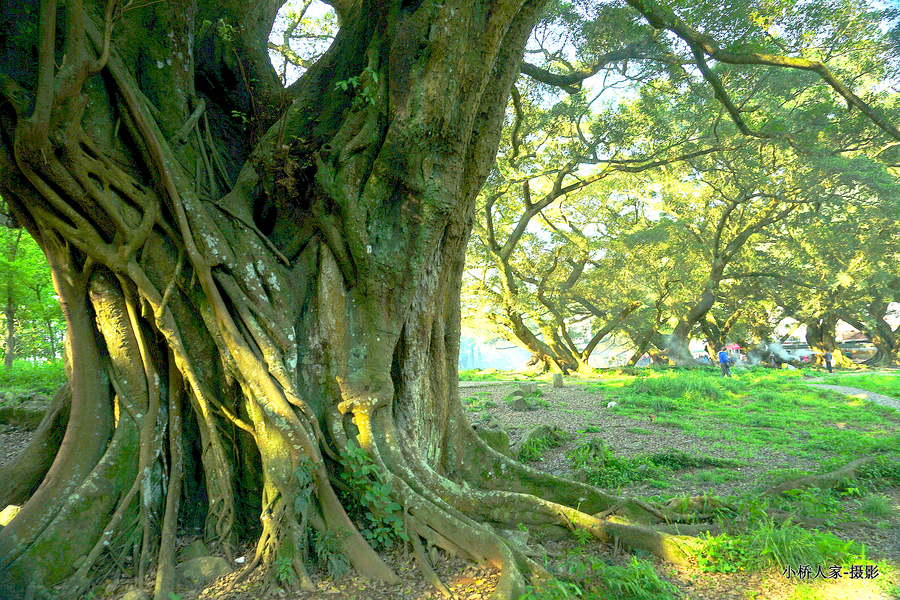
(260, 282)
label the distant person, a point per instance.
(724, 361)
(828, 358)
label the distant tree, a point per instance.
(31, 314)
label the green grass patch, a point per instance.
(773, 545)
(30, 377)
(539, 441)
(604, 469)
(889, 385)
(758, 412)
(581, 576)
(876, 506)
(495, 375)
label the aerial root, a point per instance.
(425, 566)
(437, 539)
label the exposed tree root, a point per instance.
(824, 481)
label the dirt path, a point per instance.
(856, 393)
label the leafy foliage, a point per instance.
(44, 377)
(383, 517)
(328, 551)
(26, 293)
(590, 577)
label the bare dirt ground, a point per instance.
(572, 409)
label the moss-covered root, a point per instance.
(823, 481)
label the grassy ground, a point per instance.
(707, 434)
(758, 413)
(26, 378)
(883, 383)
(767, 409)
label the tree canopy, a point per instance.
(717, 161)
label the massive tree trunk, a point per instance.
(258, 282)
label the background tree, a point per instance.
(30, 312)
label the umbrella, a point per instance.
(732, 347)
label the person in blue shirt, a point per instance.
(724, 361)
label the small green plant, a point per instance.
(661, 405)
(678, 460)
(174, 596)
(882, 470)
(284, 570)
(241, 116)
(531, 394)
(877, 506)
(364, 86)
(814, 502)
(383, 516)
(672, 424)
(605, 469)
(539, 441)
(725, 554)
(329, 553)
(475, 405)
(225, 30)
(637, 581)
(553, 589)
(788, 544)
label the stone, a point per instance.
(195, 549)
(517, 400)
(201, 571)
(518, 540)
(27, 414)
(529, 387)
(8, 513)
(558, 380)
(496, 438)
(136, 595)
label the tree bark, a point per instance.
(9, 313)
